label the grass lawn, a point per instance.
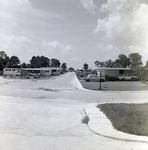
(129, 118)
(116, 85)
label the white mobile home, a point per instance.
(38, 71)
(44, 72)
(114, 71)
(11, 71)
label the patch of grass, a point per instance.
(85, 118)
(129, 118)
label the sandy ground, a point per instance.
(46, 114)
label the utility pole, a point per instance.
(100, 81)
(21, 72)
(99, 73)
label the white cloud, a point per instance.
(74, 59)
(123, 19)
(108, 51)
(89, 5)
(13, 45)
(112, 26)
(12, 11)
(126, 25)
(12, 42)
(59, 51)
(15, 4)
(108, 47)
(57, 47)
(20, 17)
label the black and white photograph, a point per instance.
(73, 74)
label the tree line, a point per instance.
(134, 60)
(35, 62)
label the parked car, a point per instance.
(94, 77)
(127, 77)
(34, 75)
(17, 74)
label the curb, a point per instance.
(101, 125)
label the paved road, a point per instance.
(51, 124)
(40, 115)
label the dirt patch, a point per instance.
(45, 89)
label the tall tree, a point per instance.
(23, 65)
(64, 66)
(117, 64)
(39, 61)
(71, 69)
(55, 63)
(144, 72)
(146, 65)
(96, 63)
(85, 66)
(109, 63)
(13, 62)
(125, 61)
(135, 60)
(3, 55)
(99, 64)
(1, 67)
(45, 61)
(3, 60)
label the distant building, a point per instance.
(83, 72)
(11, 71)
(45, 72)
(115, 71)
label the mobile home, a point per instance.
(114, 71)
(44, 72)
(11, 71)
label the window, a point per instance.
(36, 71)
(54, 70)
(121, 71)
(8, 69)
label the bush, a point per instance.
(111, 78)
(1, 72)
(85, 119)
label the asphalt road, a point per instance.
(115, 85)
(46, 114)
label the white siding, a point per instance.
(11, 71)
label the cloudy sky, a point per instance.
(74, 31)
